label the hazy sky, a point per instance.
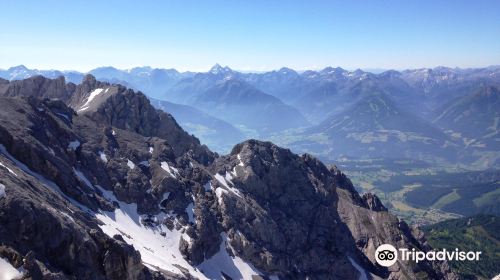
(249, 35)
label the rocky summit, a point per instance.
(97, 184)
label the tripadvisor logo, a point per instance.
(387, 255)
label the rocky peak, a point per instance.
(331, 70)
(390, 74)
(218, 70)
(87, 90)
(287, 71)
(359, 72)
(133, 111)
(38, 86)
(18, 68)
(271, 171)
(373, 202)
(274, 204)
(89, 82)
(113, 105)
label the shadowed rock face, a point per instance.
(133, 112)
(373, 202)
(38, 86)
(62, 167)
(285, 221)
(53, 239)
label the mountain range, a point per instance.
(295, 109)
(377, 125)
(215, 132)
(475, 116)
(95, 183)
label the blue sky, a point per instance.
(249, 35)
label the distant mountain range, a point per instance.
(215, 132)
(439, 115)
(240, 103)
(22, 72)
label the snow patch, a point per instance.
(170, 169)
(151, 149)
(144, 163)
(8, 272)
(10, 170)
(221, 180)
(189, 211)
(176, 171)
(219, 192)
(241, 161)
(73, 145)
(233, 266)
(159, 247)
(130, 164)
(91, 97)
(103, 157)
(165, 196)
(229, 177)
(225, 180)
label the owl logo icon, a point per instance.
(386, 255)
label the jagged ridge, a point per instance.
(125, 169)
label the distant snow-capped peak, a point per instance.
(217, 69)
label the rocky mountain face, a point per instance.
(97, 184)
(38, 86)
(45, 227)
